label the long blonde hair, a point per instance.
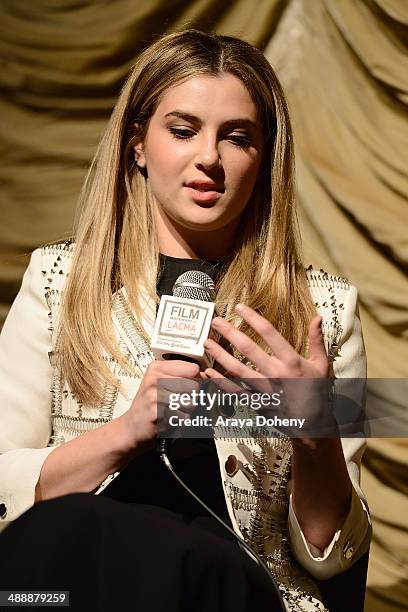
(115, 237)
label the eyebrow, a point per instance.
(239, 122)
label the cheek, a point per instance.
(165, 160)
(244, 173)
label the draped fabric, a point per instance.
(344, 67)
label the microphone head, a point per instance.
(195, 285)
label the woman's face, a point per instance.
(202, 153)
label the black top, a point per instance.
(172, 267)
(146, 480)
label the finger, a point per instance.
(259, 384)
(226, 384)
(236, 368)
(266, 365)
(177, 367)
(280, 347)
(176, 384)
(227, 393)
(211, 373)
(173, 400)
(242, 342)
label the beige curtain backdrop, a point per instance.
(344, 66)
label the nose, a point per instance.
(208, 155)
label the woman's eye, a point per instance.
(181, 133)
(240, 140)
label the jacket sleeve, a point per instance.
(352, 539)
(25, 396)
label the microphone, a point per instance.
(184, 319)
(183, 324)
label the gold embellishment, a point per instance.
(298, 599)
(65, 248)
(248, 500)
(324, 279)
(280, 443)
(108, 402)
(124, 349)
(56, 391)
(56, 440)
(53, 297)
(78, 424)
(332, 332)
(133, 331)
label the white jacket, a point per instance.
(38, 412)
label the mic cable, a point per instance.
(162, 450)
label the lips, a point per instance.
(205, 186)
(203, 193)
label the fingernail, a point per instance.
(216, 322)
(240, 307)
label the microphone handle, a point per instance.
(163, 444)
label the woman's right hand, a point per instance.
(152, 399)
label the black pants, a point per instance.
(113, 556)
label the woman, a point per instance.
(195, 170)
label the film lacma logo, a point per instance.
(182, 319)
(182, 326)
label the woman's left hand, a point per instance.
(284, 363)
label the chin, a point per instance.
(204, 219)
(199, 226)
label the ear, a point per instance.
(139, 151)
